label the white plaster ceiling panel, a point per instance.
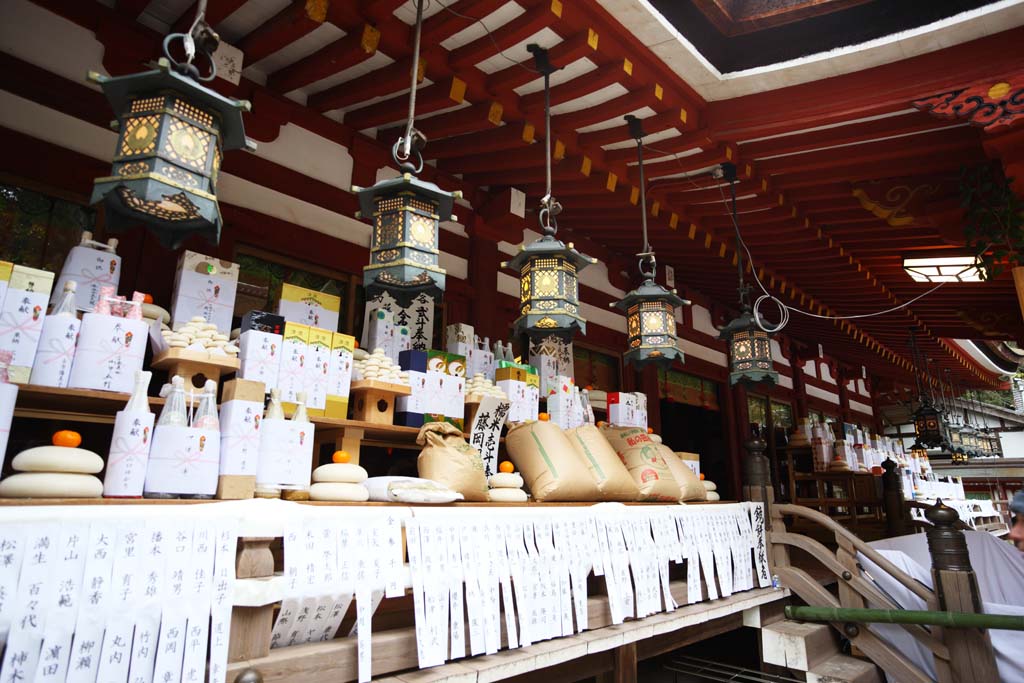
(651, 139)
(581, 66)
(478, 29)
(248, 17)
(323, 35)
(641, 113)
(79, 51)
(648, 159)
(545, 37)
(407, 12)
(168, 11)
(378, 60)
(590, 100)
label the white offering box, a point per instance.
(481, 360)
(460, 339)
(110, 351)
(8, 397)
(318, 369)
(260, 357)
(547, 369)
(240, 436)
(204, 287)
(339, 375)
(519, 408)
(21, 318)
(403, 341)
(454, 397)
(381, 333)
(415, 402)
(129, 454)
(183, 460)
(286, 454)
(291, 378)
(435, 396)
(56, 352)
(624, 410)
(91, 268)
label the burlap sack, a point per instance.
(550, 465)
(690, 487)
(612, 477)
(447, 459)
(645, 463)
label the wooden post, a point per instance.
(625, 664)
(970, 650)
(892, 499)
(251, 626)
(1018, 284)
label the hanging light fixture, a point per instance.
(750, 347)
(927, 419)
(950, 420)
(650, 308)
(406, 213)
(939, 401)
(549, 306)
(172, 134)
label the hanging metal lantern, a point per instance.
(750, 345)
(549, 298)
(750, 351)
(173, 132)
(650, 308)
(406, 215)
(549, 288)
(928, 424)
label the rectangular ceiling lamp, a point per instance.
(945, 269)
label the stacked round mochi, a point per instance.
(710, 489)
(507, 485)
(339, 481)
(54, 472)
(377, 366)
(199, 335)
(479, 386)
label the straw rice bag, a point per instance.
(548, 462)
(645, 463)
(447, 459)
(612, 477)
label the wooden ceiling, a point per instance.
(802, 152)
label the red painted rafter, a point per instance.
(285, 27)
(429, 99)
(343, 53)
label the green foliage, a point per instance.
(994, 218)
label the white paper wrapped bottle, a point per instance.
(93, 265)
(273, 426)
(129, 447)
(184, 460)
(286, 452)
(8, 397)
(57, 341)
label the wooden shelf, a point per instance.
(72, 405)
(40, 502)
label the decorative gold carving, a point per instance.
(183, 108)
(140, 134)
(178, 175)
(176, 207)
(990, 105)
(421, 229)
(147, 104)
(134, 168)
(545, 323)
(896, 203)
(187, 144)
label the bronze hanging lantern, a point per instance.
(173, 132)
(650, 308)
(750, 346)
(927, 418)
(549, 299)
(406, 213)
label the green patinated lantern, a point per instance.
(406, 214)
(928, 423)
(172, 135)
(651, 323)
(549, 297)
(750, 350)
(549, 302)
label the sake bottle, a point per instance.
(300, 407)
(274, 412)
(172, 415)
(206, 414)
(129, 447)
(65, 305)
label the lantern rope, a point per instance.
(404, 147)
(549, 206)
(648, 265)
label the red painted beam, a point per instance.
(688, 164)
(455, 17)
(566, 52)
(428, 99)
(671, 118)
(583, 84)
(473, 119)
(343, 53)
(503, 37)
(610, 109)
(384, 81)
(511, 136)
(285, 27)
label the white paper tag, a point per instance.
(485, 432)
(764, 578)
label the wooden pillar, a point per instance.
(799, 386)
(971, 657)
(251, 626)
(625, 664)
(484, 262)
(730, 431)
(740, 431)
(649, 385)
(844, 397)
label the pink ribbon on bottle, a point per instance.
(125, 451)
(184, 458)
(57, 352)
(249, 437)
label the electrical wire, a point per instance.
(487, 31)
